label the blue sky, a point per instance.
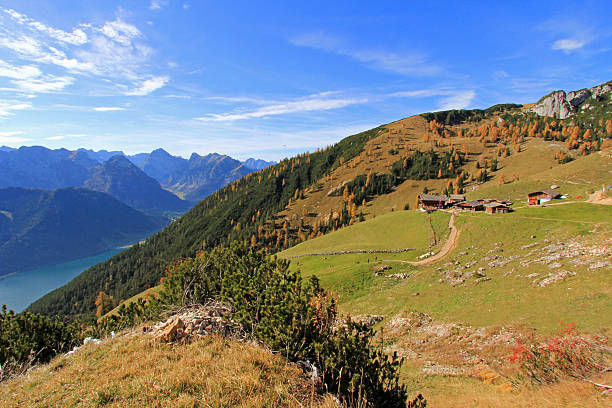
(271, 79)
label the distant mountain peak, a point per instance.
(120, 160)
(257, 164)
(160, 152)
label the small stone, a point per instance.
(173, 331)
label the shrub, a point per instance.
(297, 318)
(28, 338)
(568, 354)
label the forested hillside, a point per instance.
(237, 211)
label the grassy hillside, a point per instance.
(139, 371)
(519, 277)
(508, 298)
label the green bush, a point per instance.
(28, 338)
(290, 316)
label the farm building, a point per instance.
(540, 197)
(433, 201)
(473, 205)
(456, 198)
(496, 208)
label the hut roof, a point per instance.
(433, 197)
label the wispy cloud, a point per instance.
(574, 33)
(568, 45)
(157, 4)
(108, 108)
(460, 100)
(420, 93)
(45, 84)
(51, 138)
(7, 107)
(114, 51)
(408, 63)
(12, 137)
(315, 103)
(18, 72)
(453, 98)
(76, 37)
(149, 85)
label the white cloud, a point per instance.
(420, 93)
(568, 45)
(404, 63)
(177, 96)
(460, 100)
(12, 133)
(500, 75)
(54, 138)
(121, 32)
(158, 4)
(310, 104)
(454, 99)
(23, 45)
(76, 37)
(571, 32)
(108, 108)
(76, 135)
(18, 72)
(149, 86)
(48, 83)
(7, 108)
(13, 140)
(115, 51)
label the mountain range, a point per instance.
(144, 181)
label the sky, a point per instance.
(273, 79)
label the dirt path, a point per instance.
(449, 245)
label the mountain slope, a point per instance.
(126, 182)
(40, 227)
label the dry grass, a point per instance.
(139, 372)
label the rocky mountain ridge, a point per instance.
(561, 105)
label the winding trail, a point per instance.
(449, 245)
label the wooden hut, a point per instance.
(431, 202)
(496, 208)
(542, 196)
(473, 205)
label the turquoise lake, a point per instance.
(19, 290)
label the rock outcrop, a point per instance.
(561, 105)
(197, 321)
